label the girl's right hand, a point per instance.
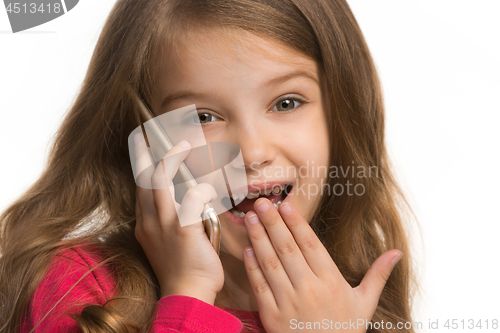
(182, 258)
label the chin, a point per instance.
(236, 254)
(232, 245)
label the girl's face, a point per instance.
(263, 96)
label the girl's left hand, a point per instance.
(296, 282)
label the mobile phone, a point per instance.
(209, 216)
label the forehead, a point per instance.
(216, 52)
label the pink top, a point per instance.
(174, 313)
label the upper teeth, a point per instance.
(238, 197)
(253, 195)
(276, 190)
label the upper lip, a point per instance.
(267, 185)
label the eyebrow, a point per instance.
(184, 94)
(289, 76)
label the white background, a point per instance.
(439, 65)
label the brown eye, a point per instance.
(205, 118)
(285, 105)
(288, 103)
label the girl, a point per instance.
(293, 84)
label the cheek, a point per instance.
(313, 139)
(314, 157)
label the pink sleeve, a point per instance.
(177, 313)
(69, 285)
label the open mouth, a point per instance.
(276, 195)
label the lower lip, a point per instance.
(241, 220)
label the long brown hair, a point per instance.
(87, 192)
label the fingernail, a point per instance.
(396, 259)
(262, 206)
(252, 219)
(286, 208)
(249, 252)
(184, 144)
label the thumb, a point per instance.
(377, 275)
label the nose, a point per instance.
(256, 144)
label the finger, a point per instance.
(315, 254)
(173, 159)
(269, 261)
(143, 160)
(163, 192)
(193, 203)
(144, 169)
(261, 288)
(376, 277)
(283, 242)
